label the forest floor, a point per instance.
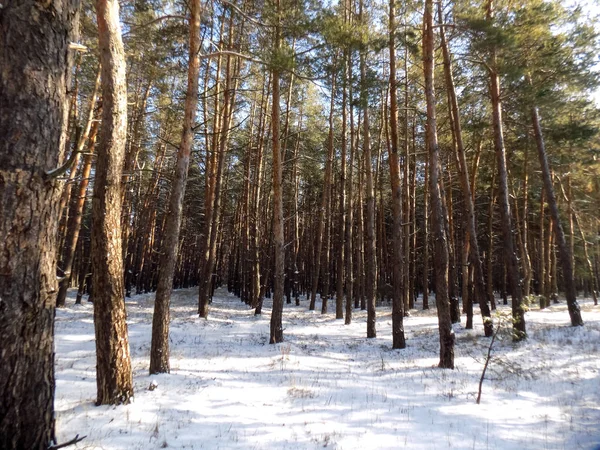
(329, 386)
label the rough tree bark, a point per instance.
(278, 237)
(113, 362)
(370, 259)
(437, 219)
(469, 206)
(398, 339)
(159, 350)
(510, 255)
(75, 217)
(563, 249)
(324, 202)
(34, 41)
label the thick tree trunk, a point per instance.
(563, 249)
(159, 350)
(398, 339)
(113, 363)
(437, 219)
(34, 42)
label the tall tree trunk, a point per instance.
(370, 260)
(324, 202)
(340, 269)
(471, 232)
(426, 212)
(398, 339)
(159, 350)
(524, 235)
(510, 254)
(437, 219)
(206, 280)
(113, 363)
(278, 237)
(75, 218)
(83, 138)
(563, 249)
(34, 43)
(350, 292)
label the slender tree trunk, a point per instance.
(65, 198)
(278, 237)
(510, 254)
(398, 339)
(527, 269)
(350, 292)
(35, 62)
(542, 250)
(340, 270)
(159, 350)
(437, 219)
(563, 249)
(207, 280)
(113, 363)
(75, 218)
(324, 202)
(258, 177)
(370, 260)
(426, 212)
(471, 232)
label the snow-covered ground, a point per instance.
(329, 386)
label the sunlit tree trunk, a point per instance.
(511, 259)
(159, 350)
(398, 339)
(472, 245)
(35, 63)
(278, 238)
(437, 219)
(113, 363)
(563, 249)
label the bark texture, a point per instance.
(34, 62)
(440, 246)
(159, 351)
(278, 237)
(398, 339)
(563, 249)
(113, 362)
(463, 170)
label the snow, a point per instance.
(329, 386)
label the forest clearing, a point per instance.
(327, 386)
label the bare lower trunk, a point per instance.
(370, 259)
(278, 237)
(563, 249)
(398, 339)
(510, 255)
(437, 219)
(75, 218)
(159, 350)
(113, 363)
(472, 244)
